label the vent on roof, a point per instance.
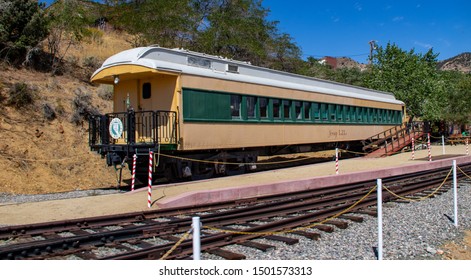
(232, 68)
(199, 62)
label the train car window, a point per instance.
(146, 90)
(340, 110)
(307, 110)
(324, 112)
(236, 101)
(374, 114)
(263, 104)
(251, 107)
(317, 114)
(353, 116)
(232, 68)
(333, 115)
(346, 109)
(359, 114)
(276, 109)
(199, 62)
(287, 109)
(298, 110)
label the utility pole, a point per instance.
(372, 48)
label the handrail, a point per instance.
(392, 137)
(139, 128)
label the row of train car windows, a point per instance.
(208, 106)
(263, 108)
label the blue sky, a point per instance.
(344, 28)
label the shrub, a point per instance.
(21, 95)
(91, 62)
(49, 112)
(82, 107)
(96, 35)
(23, 26)
(105, 92)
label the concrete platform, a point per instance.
(235, 187)
(265, 188)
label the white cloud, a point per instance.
(423, 45)
(398, 18)
(358, 7)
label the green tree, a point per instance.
(411, 77)
(22, 27)
(457, 89)
(283, 54)
(236, 29)
(70, 23)
(167, 23)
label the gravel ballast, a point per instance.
(414, 230)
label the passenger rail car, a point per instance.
(204, 115)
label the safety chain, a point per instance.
(176, 244)
(421, 198)
(464, 173)
(235, 163)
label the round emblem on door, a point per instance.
(116, 128)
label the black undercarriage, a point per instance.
(158, 133)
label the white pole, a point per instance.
(196, 239)
(379, 189)
(443, 144)
(455, 193)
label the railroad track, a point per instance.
(152, 234)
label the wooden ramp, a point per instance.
(393, 140)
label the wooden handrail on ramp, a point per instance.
(393, 140)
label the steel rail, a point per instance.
(302, 201)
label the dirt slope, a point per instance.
(41, 156)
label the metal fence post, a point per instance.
(196, 238)
(455, 194)
(379, 194)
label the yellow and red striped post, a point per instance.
(133, 180)
(149, 188)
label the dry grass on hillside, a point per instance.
(100, 46)
(42, 156)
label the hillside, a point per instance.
(461, 62)
(38, 155)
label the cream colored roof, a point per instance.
(177, 60)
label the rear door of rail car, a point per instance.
(157, 94)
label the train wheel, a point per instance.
(201, 171)
(235, 169)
